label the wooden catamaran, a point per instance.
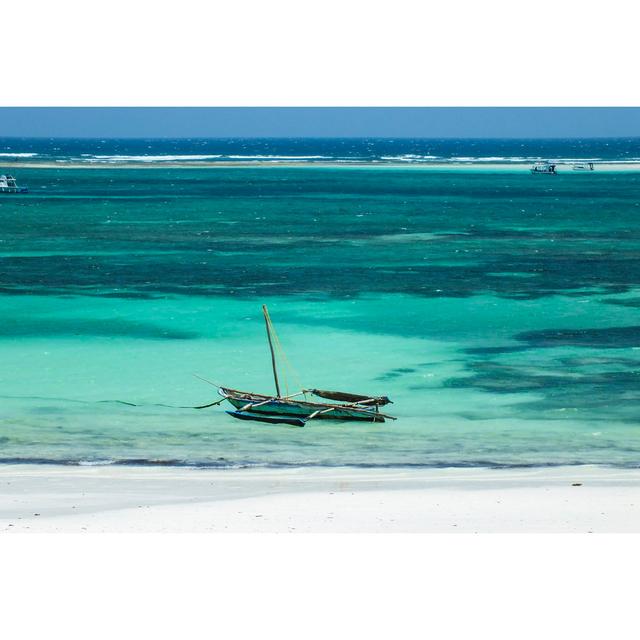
(296, 409)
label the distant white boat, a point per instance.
(8, 184)
(544, 167)
(583, 166)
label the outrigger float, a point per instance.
(296, 411)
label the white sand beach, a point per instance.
(41, 498)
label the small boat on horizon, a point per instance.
(547, 168)
(583, 166)
(8, 184)
(296, 411)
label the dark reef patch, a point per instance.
(109, 327)
(487, 351)
(341, 234)
(606, 338)
(564, 390)
(590, 361)
(623, 302)
(501, 378)
(74, 292)
(395, 373)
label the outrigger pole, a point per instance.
(267, 321)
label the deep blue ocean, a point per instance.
(498, 309)
(320, 150)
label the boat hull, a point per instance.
(297, 408)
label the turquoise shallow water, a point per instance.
(498, 310)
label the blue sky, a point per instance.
(215, 122)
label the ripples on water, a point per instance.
(498, 310)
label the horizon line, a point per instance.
(319, 137)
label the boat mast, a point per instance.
(267, 321)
